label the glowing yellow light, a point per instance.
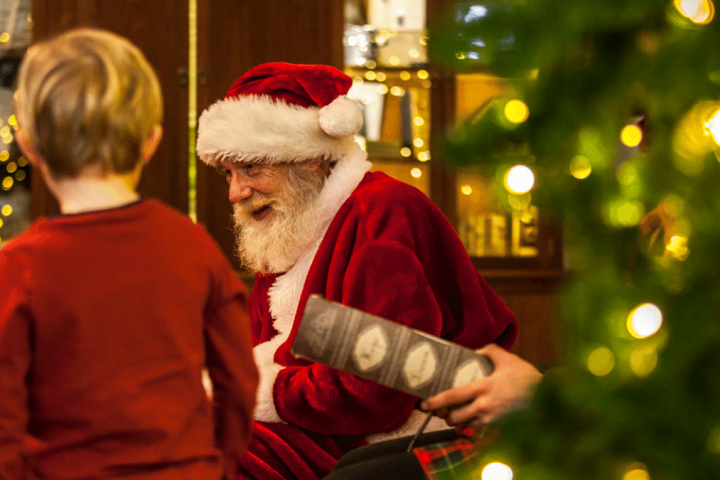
(1, 223)
(358, 80)
(7, 183)
(644, 320)
(381, 77)
(700, 12)
(370, 76)
(713, 127)
(404, 75)
(12, 120)
(677, 247)
(22, 161)
(383, 89)
(419, 121)
(631, 135)
(371, 64)
(423, 40)
(601, 361)
(519, 179)
(413, 52)
(426, 84)
(397, 91)
(643, 361)
(466, 189)
(405, 152)
(497, 471)
(423, 74)
(4, 37)
(636, 471)
(625, 213)
(6, 210)
(7, 139)
(20, 176)
(424, 156)
(4, 155)
(418, 142)
(416, 173)
(460, 55)
(11, 167)
(580, 167)
(394, 61)
(516, 111)
(4, 131)
(627, 173)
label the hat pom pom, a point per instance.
(341, 118)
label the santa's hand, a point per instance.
(483, 401)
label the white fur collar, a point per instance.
(284, 294)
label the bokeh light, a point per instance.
(644, 320)
(466, 189)
(424, 156)
(700, 12)
(713, 127)
(580, 167)
(601, 361)
(623, 213)
(643, 360)
(636, 471)
(631, 135)
(497, 471)
(6, 210)
(516, 111)
(7, 183)
(416, 173)
(405, 152)
(519, 179)
(677, 247)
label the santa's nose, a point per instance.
(240, 188)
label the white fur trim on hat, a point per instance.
(341, 118)
(258, 128)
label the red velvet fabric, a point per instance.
(390, 252)
(302, 85)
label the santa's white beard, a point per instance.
(274, 244)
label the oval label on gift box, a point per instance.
(420, 365)
(370, 348)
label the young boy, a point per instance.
(111, 311)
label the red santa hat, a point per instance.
(281, 113)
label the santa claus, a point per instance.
(311, 218)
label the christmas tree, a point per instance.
(616, 110)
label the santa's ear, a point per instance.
(28, 149)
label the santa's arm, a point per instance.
(384, 279)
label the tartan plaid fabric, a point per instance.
(448, 460)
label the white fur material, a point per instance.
(258, 128)
(341, 118)
(284, 295)
(410, 427)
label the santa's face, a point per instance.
(273, 211)
(255, 187)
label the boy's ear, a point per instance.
(150, 145)
(27, 148)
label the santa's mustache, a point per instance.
(256, 203)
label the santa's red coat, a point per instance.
(386, 250)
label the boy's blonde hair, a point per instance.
(85, 98)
